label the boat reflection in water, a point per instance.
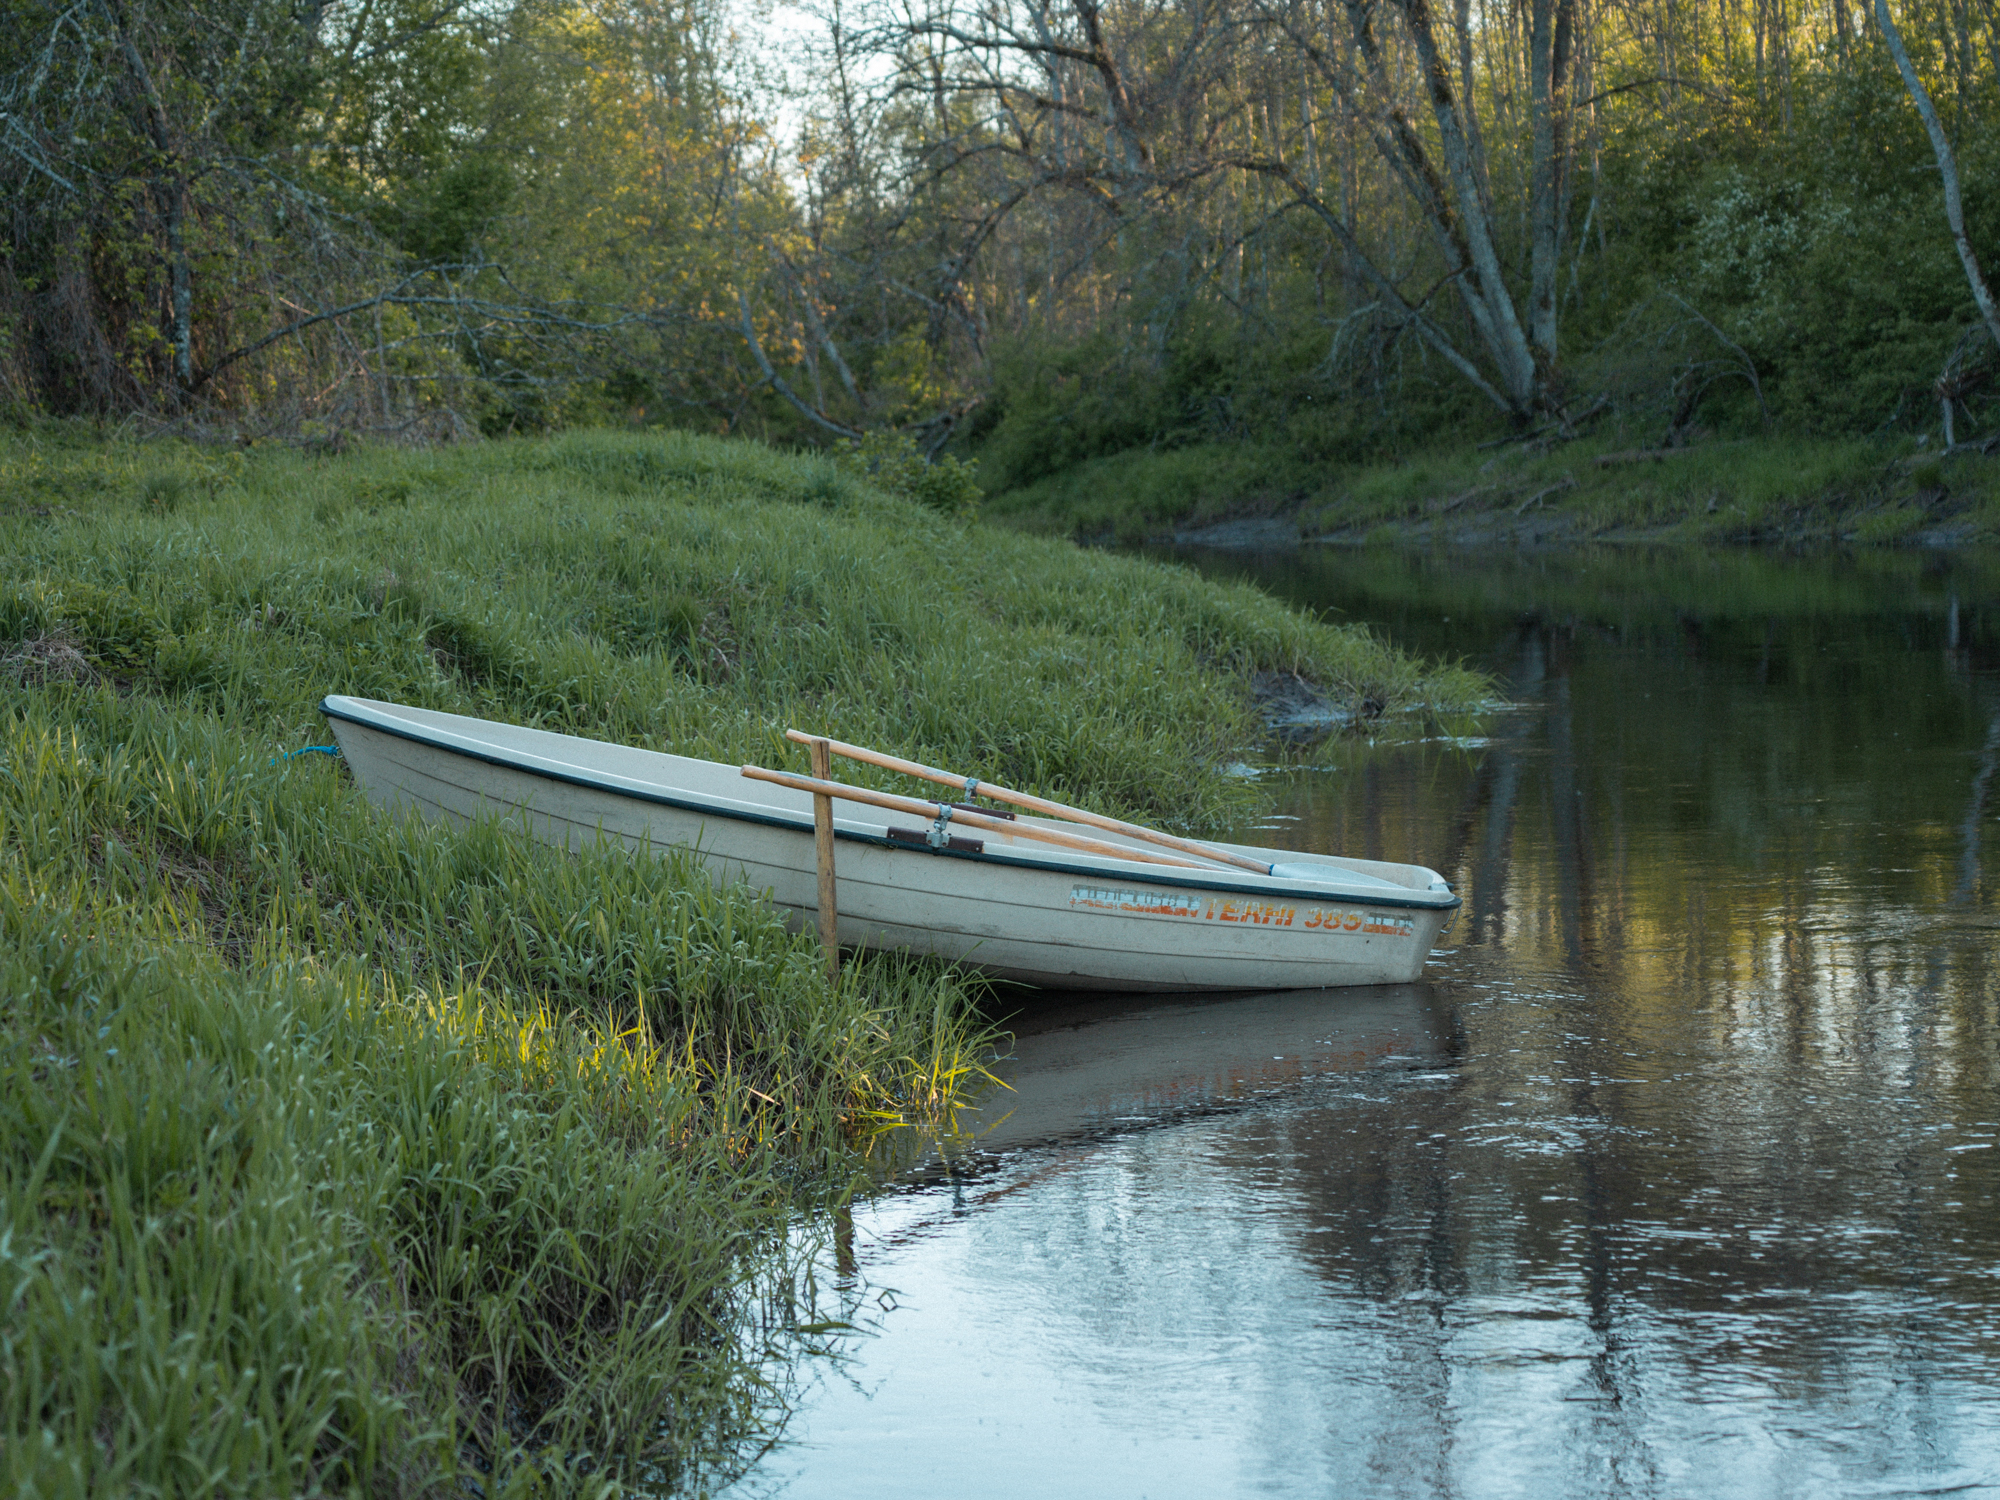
(1094, 1232)
(1097, 1066)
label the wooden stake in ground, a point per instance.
(829, 916)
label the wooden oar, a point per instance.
(973, 787)
(930, 811)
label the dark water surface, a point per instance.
(1676, 1176)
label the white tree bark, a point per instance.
(1500, 324)
(1552, 41)
(1954, 211)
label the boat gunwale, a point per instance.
(1054, 864)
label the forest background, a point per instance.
(1037, 232)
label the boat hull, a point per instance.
(1016, 910)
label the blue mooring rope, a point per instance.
(309, 750)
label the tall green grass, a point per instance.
(348, 1154)
(344, 1152)
(677, 592)
(1847, 488)
(1145, 493)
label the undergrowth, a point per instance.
(1742, 490)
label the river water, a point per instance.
(1675, 1177)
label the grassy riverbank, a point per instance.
(1767, 489)
(347, 1154)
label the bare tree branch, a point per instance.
(777, 381)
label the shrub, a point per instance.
(892, 462)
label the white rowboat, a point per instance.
(1006, 904)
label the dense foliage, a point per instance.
(1743, 254)
(1045, 233)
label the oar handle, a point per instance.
(974, 787)
(920, 809)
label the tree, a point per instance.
(366, 208)
(164, 172)
(1154, 110)
(1954, 209)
